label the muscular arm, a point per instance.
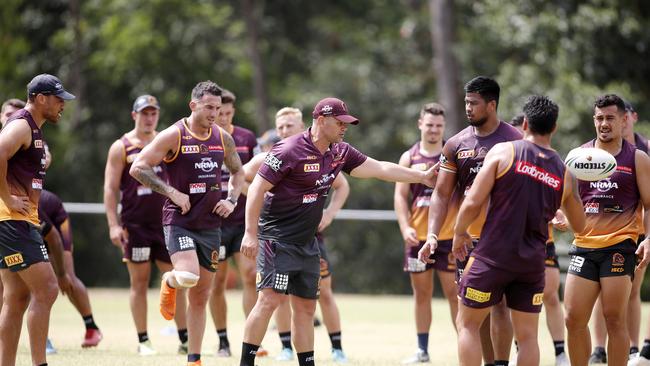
(402, 209)
(112, 174)
(249, 244)
(572, 204)
(55, 244)
(250, 170)
(233, 163)
(642, 162)
(392, 172)
(153, 154)
(339, 196)
(440, 200)
(14, 136)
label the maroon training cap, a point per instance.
(334, 107)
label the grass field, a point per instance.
(377, 330)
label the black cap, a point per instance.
(629, 107)
(47, 84)
(145, 101)
(269, 137)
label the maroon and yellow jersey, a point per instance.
(420, 195)
(26, 172)
(196, 171)
(463, 155)
(612, 204)
(523, 201)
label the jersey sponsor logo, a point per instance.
(465, 154)
(220, 148)
(197, 188)
(310, 198)
(423, 202)
(14, 259)
(324, 179)
(44, 252)
(539, 174)
(273, 162)
(613, 208)
(187, 137)
(603, 185)
(222, 252)
(38, 144)
(476, 295)
(618, 260)
(312, 168)
(140, 254)
(538, 299)
(189, 149)
(477, 168)
(281, 281)
(415, 265)
(482, 152)
(206, 165)
(419, 166)
(311, 157)
(203, 149)
(185, 242)
(443, 159)
(37, 183)
(576, 263)
(592, 207)
(624, 169)
(144, 191)
(214, 259)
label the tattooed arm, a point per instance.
(236, 181)
(164, 144)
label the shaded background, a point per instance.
(384, 58)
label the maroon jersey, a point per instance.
(463, 155)
(52, 211)
(140, 205)
(641, 142)
(420, 195)
(245, 141)
(523, 200)
(612, 204)
(301, 178)
(26, 172)
(196, 171)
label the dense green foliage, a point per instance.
(374, 54)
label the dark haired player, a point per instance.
(462, 158)
(525, 182)
(8, 108)
(603, 256)
(193, 150)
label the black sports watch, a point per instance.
(232, 200)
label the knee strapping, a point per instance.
(185, 279)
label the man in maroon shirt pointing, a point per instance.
(284, 207)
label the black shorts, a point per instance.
(21, 245)
(204, 242)
(593, 264)
(551, 260)
(325, 268)
(289, 268)
(231, 237)
(146, 243)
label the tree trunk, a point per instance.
(445, 64)
(251, 16)
(77, 80)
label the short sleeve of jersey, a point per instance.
(448, 157)
(277, 164)
(353, 159)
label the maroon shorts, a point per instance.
(443, 259)
(146, 244)
(484, 285)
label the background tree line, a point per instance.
(384, 58)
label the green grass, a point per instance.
(377, 330)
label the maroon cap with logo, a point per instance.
(334, 107)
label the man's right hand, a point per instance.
(410, 237)
(181, 200)
(20, 204)
(249, 245)
(118, 235)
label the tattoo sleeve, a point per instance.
(149, 178)
(231, 159)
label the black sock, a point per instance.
(634, 349)
(248, 352)
(423, 342)
(645, 351)
(335, 338)
(90, 322)
(43, 364)
(306, 358)
(488, 364)
(182, 335)
(500, 362)
(600, 350)
(285, 338)
(223, 338)
(143, 337)
(193, 357)
(559, 347)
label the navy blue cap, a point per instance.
(47, 84)
(145, 101)
(269, 137)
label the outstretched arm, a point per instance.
(392, 172)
